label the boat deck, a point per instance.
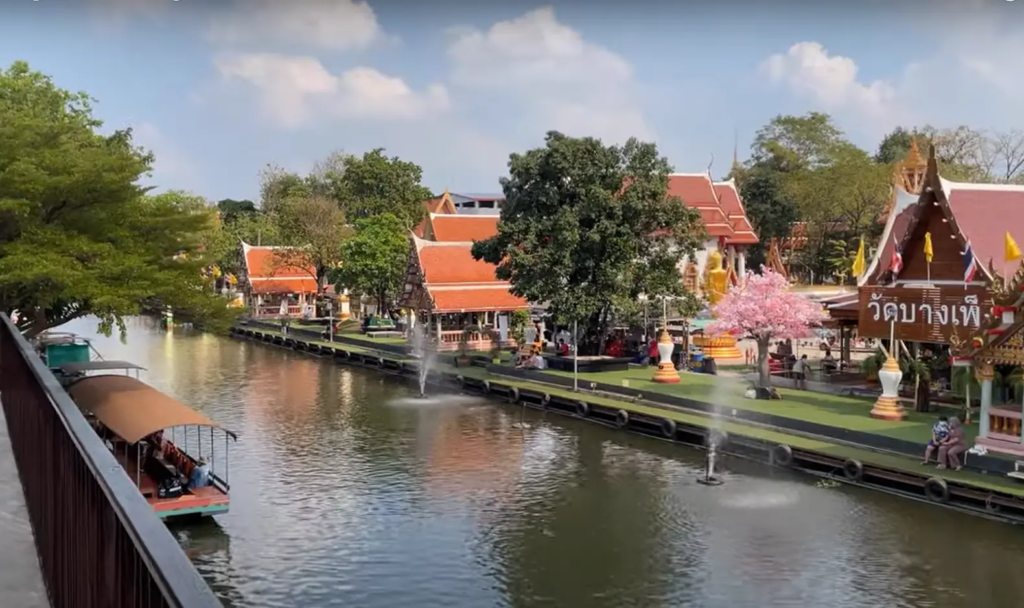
(209, 500)
(21, 580)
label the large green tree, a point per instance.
(374, 184)
(312, 228)
(375, 259)
(230, 209)
(78, 236)
(586, 228)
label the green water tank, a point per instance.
(59, 354)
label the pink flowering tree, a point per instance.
(764, 309)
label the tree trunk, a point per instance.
(763, 374)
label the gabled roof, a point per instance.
(697, 191)
(266, 274)
(456, 282)
(461, 228)
(981, 214)
(439, 204)
(732, 205)
(896, 227)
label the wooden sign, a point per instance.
(923, 314)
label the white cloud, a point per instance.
(173, 167)
(294, 90)
(336, 25)
(831, 80)
(560, 79)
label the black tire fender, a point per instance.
(545, 401)
(460, 380)
(487, 386)
(668, 428)
(582, 409)
(621, 419)
(853, 469)
(782, 455)
(513, 395)
(936, 489)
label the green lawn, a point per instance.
(844, 412)
(356, 335)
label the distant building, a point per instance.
(272, 286)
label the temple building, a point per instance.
(449, 289)
(725, 220)
(956, 299)
(274, 287)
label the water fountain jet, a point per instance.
(716, 438)
(423, 350)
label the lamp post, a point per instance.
(330, 321)
(575, 356)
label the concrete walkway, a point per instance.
(21, 582)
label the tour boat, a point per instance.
(133, 419)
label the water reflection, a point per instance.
(347, 494)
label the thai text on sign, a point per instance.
(923, 315)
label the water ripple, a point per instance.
(348, 491)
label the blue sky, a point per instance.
(219, 89)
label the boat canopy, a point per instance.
(97, 366)
(132, 409)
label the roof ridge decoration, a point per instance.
(934, 183)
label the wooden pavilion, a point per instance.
(274, 284)
(449, 290)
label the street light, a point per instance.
(575, 357)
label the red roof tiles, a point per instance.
(462, 228)
(720, 206)
(732, 206)
(456, 282)
(267, 275)
(985, 213)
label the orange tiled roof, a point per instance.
(266, 276)
(732, 206)
(463, 228)
(456, 282)
(697, 191)
(438, 204)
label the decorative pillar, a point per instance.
(888, 406)
(741, 263)
(344, 312)
(984, 372)
(666, 372)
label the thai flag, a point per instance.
(896, 263)
(970, 264)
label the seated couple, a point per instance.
(949, 439)
(534, 361)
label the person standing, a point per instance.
(800, 372)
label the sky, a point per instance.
(218, 89)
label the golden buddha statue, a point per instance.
(718, 278)
(716, 285)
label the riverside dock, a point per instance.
(881, 458)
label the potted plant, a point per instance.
(462, 352)
(495, 351)
(870, 366)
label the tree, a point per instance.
(764, 309)
(798, 142)
(375, 259)
(587, 228)
(230, 209)
(375, 184)
(312, 229)
(78, 236)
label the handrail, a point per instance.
(177, 581)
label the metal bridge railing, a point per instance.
(100, 544)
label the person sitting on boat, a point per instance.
(200, 475)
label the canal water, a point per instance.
(347, 493)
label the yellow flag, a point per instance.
(929, 253)
(859, 263)
(1012, 250)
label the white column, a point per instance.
(986, 403)
(741, 264)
